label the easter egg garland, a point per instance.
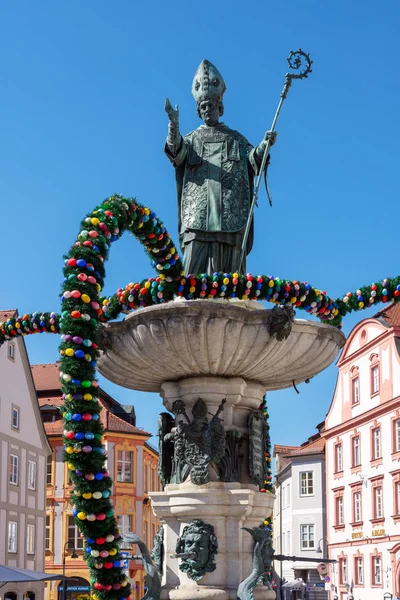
(83, 309)
(85, 453)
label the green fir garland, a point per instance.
(85, 453)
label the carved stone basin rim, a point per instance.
(191, 338)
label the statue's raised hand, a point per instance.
(173, 113)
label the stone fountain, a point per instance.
(232, 351)
(212, 361)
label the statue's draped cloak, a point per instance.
(215, 169)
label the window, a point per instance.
(11, 351)
(376, 441)
(146, 478)
(376, 570)
(14, 469)
(31, 475)
(47, 537)
(15, 417)
(397, 436)
(359, 571)
(339, 511)
(288, 548)
(339, 458)
(74, 537)
(288, 495)
(375, 380)
(124, 466)
(49, 470)
(398, 498)
(307, 536)
(12, 536)
(378, 503)
(357, 507)
(30, 539)
(356, 451)
(125, 526)
(306, 483)
(343, 571)
(355, 391)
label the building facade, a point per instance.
(23, 454)
(132, 463)
(300, 519)
(362, 433)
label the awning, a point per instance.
(297, 584)
(14, 575)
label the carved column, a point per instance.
(227, 506)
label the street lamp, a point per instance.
(73, 555)
(319, 547)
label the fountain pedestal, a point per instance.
(214, 350)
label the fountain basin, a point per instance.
(192, 338)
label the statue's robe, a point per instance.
(215, 169)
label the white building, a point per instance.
(299, 519)
(362, 433)
(23, 453)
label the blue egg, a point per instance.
(77, 417)
(81, 262)
(75, 511)
(89, 435)
(88, 549)
(79, 353)
(117, 563)
(95, 417)
(105, 494)
(99, 476)
(90, 540)
(79, 436)
(76, 381)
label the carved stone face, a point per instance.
(198, 539)
(209, 111)
(197, 543)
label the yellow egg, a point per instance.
(147, 284)
(81, 516)
(87, 495)
(112, 552)
(69, 352)
(71, 467)
(85, 298)
(87, 397)
(95, 221)
(69, 450)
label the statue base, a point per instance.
(227, 507)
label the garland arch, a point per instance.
(83, 308)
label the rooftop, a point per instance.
(114, 417)
(7, 314)
(390, 314)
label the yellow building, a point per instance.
(132, 463)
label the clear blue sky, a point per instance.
(81, 107)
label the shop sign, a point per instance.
(378, 532)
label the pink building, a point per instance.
(362, 432)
